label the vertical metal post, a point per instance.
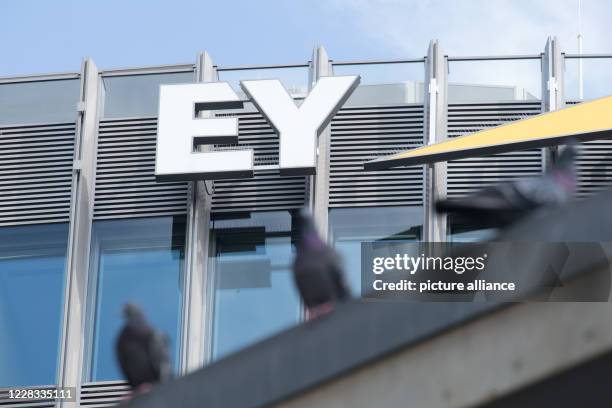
(580, 73)
(552, 76)
(193, 340)
(552, 86)
(81, 211)
(319, 186)
(435, 107)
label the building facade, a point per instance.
(84, 226)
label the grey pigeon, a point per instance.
(143, 352)
(317, 269)
(504, 204)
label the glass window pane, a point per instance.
(494, 80)
(385, 84)
(461, 229)
(32, 264)
(294, 79)
(39, 102)
(137, 95)
(254, 291)
(596, 74)
(137, 261)
(349, 227)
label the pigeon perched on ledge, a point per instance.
(143, 351)
(317, 270)
(504, 204)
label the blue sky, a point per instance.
(50, 36)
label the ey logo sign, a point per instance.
(181, 130)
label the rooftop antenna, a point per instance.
(580, 77)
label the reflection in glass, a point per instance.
(254, 293)
(460, 229)
(385, 84)
(39, 102)
(596, 74)
(138, 261)
(32, 264)
(494, 80)
(294, 79)
(137, 95)
(349, 227)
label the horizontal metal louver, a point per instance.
(267, 190)
(125, 173)
(103, 394)
(594, 165)
(468, 175)
(6, 402)
(364, 133)
(36, 173)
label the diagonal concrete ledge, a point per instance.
(305, 356)
(389, 354)
(478, 362)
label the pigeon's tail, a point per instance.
(567, 158)
(564, 170)
(484, 211)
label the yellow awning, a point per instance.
(585, 121)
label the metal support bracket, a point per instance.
(81, 107)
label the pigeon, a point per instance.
(504, 204)
(143, 351)
(317, 270)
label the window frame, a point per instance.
(93, 285)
